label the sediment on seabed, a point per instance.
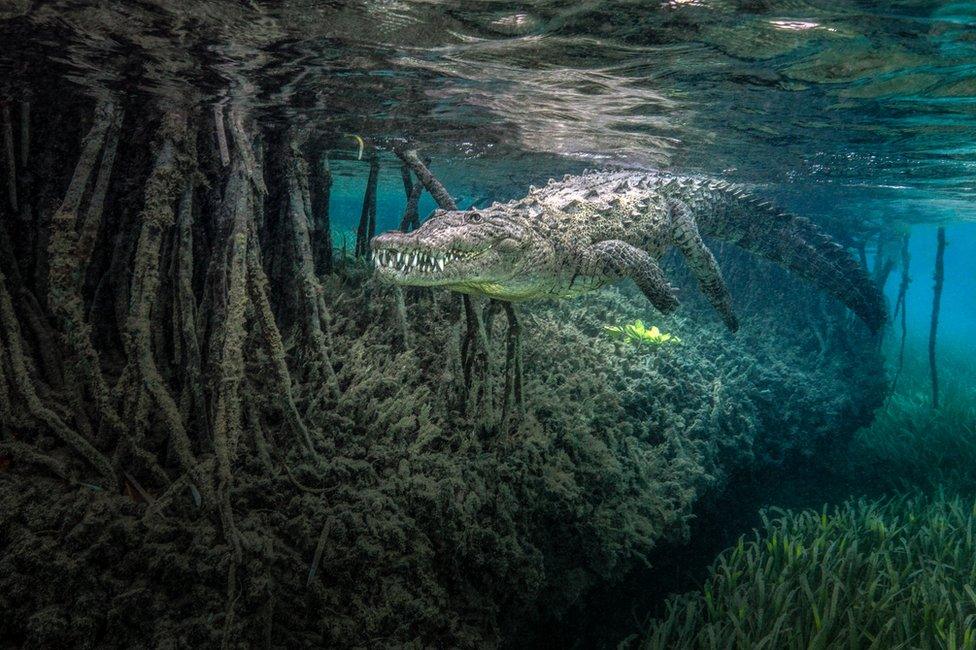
(216, 431)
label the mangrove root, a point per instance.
(936, 304)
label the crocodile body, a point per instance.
(584, 232)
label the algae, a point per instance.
(306, 459)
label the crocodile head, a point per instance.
(494, 251)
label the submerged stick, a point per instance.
(319, 549)
(936, 305)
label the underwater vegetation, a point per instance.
(909, 443)
(221, 423)
(888, 573)
(423, 505)
(894, 568)
(637, 333)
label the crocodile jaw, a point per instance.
(414, 264)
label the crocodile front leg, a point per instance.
(612, 260)
(685, 236)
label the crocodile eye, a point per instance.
(475, 217)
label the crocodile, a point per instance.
(587, 231)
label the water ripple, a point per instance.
(875, 97)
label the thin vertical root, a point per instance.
(308, 285)
(186, 310)
(218, 116)
(321, 233)
(162, 188)
(25, 111)
(474, 356)
(443, 199)
(11, 330)
(258, 285)
(367, 218)
(901, 307)
(88, 232)
(8, 145)
(939, 276)
(513, 363)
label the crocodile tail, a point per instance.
(799, 245)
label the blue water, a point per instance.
(957, 322)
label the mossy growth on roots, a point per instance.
(889, 573)
(206, 441)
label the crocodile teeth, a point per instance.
(440, 264)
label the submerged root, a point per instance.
(218, 117)
(411, 216)
(321, 233)
(513, 365)
(309, 290)
(8, 146)
(367, 218)
(25, 386)
(274, 348)
(938, 279)
(69, 254)
(434, 186)
(162, 189)
(185, 317)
